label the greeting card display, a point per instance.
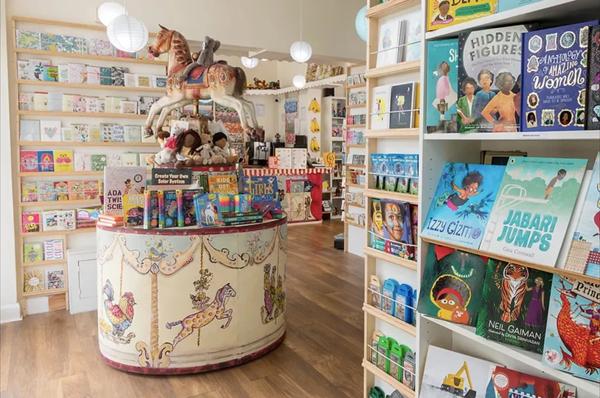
(442, 78)
(462, 203)
(533, 208)
(555, 78)
(515, 305)
(489, 79)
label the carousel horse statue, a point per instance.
(222, 83)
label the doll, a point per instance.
(186, 146)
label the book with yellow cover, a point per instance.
(133, 209)
(444, 13)
(223, 183)
(63, 160)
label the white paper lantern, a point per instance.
(127, 33)
(249, 62)
(300, 51)
(109, 10)
(299, 81)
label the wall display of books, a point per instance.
(399, 39)
(47, 250)
(395, 172)
(65, 161)
(49, 191)
(395, 106)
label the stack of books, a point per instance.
(106, 220)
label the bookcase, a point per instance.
(31, 264)
(334, 114)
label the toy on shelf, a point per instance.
(263, 85)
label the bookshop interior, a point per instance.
(300, 198)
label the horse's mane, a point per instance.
(181, 48)
(220, 296)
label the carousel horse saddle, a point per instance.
(196, 75)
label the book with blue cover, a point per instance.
(462, 203)
(442, 81)
(555, 78)
(263, 190)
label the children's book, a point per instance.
(118, 133)
(33, 252)
(63, 160)
(555, 78)
(490, 64)
(207, 213)
(444, 13)
(515, 305)
(30, 221)
(40, 101)
(509, 383)
(92, 76)
(505, 5)
(45, 161)
(462, 203)
(133, 209)
(29, 130)
(412, 45)
(223, 183)
(28, 161)
(533, 208)
(28, 39)
(58, 220)
(33, 281)
(90, 189)
(29, 191)
(402, 105)
(263, 191)
(75, 188)
(451, 285)
(55, 278)
(129, 159)
(380, 110)
(61, 190)
(390, 230)
(100, 47)
(189, 210)
(592, 108)
(572, 339)
(106, 76)
(442, 87)
(54, 249)
(388, 42)
(98, 162)
(45, 190)
(171, 208)
(119, 181)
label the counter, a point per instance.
(176, 301)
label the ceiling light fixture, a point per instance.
(249, 62)
(109, 10)
(301, 51)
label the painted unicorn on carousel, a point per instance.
(188, 82)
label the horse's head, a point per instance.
(162, 42)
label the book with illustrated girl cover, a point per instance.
(533, 208)
(442, 86)
(515, 305)
(463, 200)
(451, 285)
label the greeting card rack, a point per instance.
(78, 238)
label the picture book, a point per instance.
(28, 39)
(55, 102)
(592, 108)
(171, 208)
(206, 209)
(55, 278)
(489, 73)
(461, 205)
(119, 181)
(90, 189)
(54, 249)
(388, 41)
(50, 130)
(412, 48)
(45, 161)
(189, 210)
(40, 101)
(450, 374)
(390, 230)
(223, 183)
(444, 13)
(30, 221)
(505, 5)
(75, 188)
(29, 130)
(33, 281)
(100, 47)
(514, 306)
(402, 105)
(33, 252)
(28, 161)
(572, 340)
(58, 220)
(106, 76)
(584, 250)
(533, 208)
(555, 78)
(509, 383)
(98, 162)
(61, 190)
(29, 191)
(133, 209)
(26, 101)
(150, 209)
(451, 285)
(63, 160)
(380, 110)
(45, 190)
(263, 190)
(442, 87)
(92, 76)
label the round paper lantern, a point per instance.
(300, 51)
(127, 33)
(109, 10)
(299, 81)
(249, 62)
(360, 23)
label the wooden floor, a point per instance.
(56, 354)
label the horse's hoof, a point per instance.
(148, 132)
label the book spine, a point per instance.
(161, 209)
(179, 196)
(147, 209)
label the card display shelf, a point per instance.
(89, 57)
(393, 133)
(410, 264)
(59, 233)
(356, 106)
(377, 313)
(101, 115)
(44, 263)
(380, 194)
(58, 203)
(389, 7)
(593, 135)
(398, 385)
(390, 70)
(354, 224)
(60, 173)
(77, 144)
(45, 292)
(86, 86)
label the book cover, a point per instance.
(142, 80)
(412, 49)
(390, 229)
(402, 105)
(106, 76)
(50, 130)
(75, 189)
(26, 101)
(100, 47)
(132, 133)
(28, 161)
(223, 183)
(505, 5)
(55, 278)
(29, 130)
(533, 208)
(45, 190)
(572, 342)
(68, 102)
(159, 81)
(380, 108)
(54, 102)
(63, 160)
(509, 383)
(514, 306)
(490, 63)
(92, 76)
(61, 190)
(461, 205)
(45, 161)
(33, 281)
(189, 209)
(30, 221)
(263, 190)
(170, 209)
(442, 87)
(129, 159)
(592, 108)
(133, 209)
(77, 73)
(48, 42)
(206, 209)
(443, 13)
(40, 101)
(98, 162)
(28, 39)
(58, 220)
(29, 191)
(451, 285)
(118, 75)
(555, 78)
(50, 73)
(24, 70)
(91, 189)
(118, 133)
(53, 249)
(584, 250)
(388, 42)
(33, 252)
(120, 181)
(129, 107)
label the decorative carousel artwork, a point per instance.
(119, 315)
(274, 296)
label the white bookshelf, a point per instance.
(332, 140)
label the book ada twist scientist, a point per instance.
(533, 208)
(451, 285)
(515, 305)
(462, 203)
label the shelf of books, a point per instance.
(391, 196)
(80, 106)
(509, 251)
(333, 116)
(355, 147)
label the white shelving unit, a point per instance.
(332, 140)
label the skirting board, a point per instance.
(10, 313)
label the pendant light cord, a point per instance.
(301, 19)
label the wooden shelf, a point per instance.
(354, 204)
(82, 202)
(51, 292)
(63, 24)
(377, 313)
(351, 185)
(90, 86)
(396, 384)
(357, 146)
(356, 126)
(380, 194)
(353, 86)
(44, 263)
(410, 264)
(77, 144)
(553, 270)
(354, 224)
(103, 115)
(527, 136)
(393, 133)
(90, 57)
(390, 70)
(52, 233)
(60, 173)
(389, 7)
